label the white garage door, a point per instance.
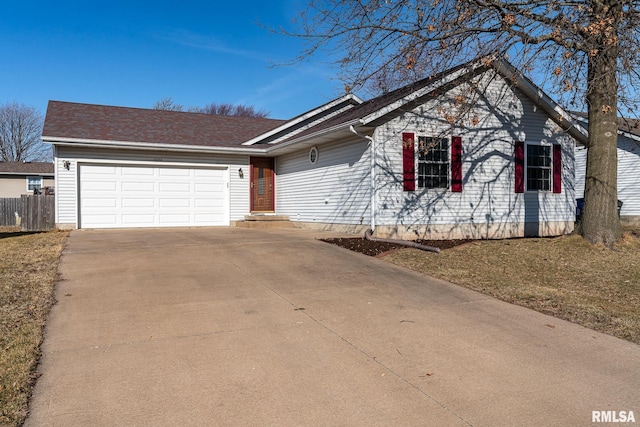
(114, 196)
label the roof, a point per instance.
(120, 126)
(26, 168)
(67, 120)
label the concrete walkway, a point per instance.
(228, 326)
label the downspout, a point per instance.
(372, 221)
(368, 235)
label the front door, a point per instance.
(262, 181)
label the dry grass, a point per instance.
(565, 277)
(28, 269)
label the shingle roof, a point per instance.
(106, 123)
(26, 168)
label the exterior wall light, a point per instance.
(66, 164)
(240, 173)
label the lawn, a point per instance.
(28, 269)
(564, 276)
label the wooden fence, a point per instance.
(34, 213)
(9, 208)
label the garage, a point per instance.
(120, 196)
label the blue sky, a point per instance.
(132, 53)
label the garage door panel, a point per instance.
(134, 171)
(100, 186)
(175, 203)
(138, 202)
(176, 219)
(175, 172)
(206, 203)
(203, 219)
(99, 170)
(209, 173)
(138, 220)
(137, 186)
(175, 187)
(141, 196)
(109, 220)
(209, 187)
(101, 203)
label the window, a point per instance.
(34, 183)
(433, 162)
(539, 168)
(261, 181)
(313, 155)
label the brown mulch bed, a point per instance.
(371, 248)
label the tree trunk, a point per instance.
(600, 222)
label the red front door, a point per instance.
(262, 184)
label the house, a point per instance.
(628, 170)
(18, 178)
(475, 152)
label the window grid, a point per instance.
(539, 168)
(34, 183)
(433, 162)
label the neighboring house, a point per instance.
(628, 171)
(18, 178)
(476, 152)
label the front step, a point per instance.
(265, 221)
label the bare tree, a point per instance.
(232, 110)
(167, 104)
(20, 132)
(222, 109)
(584, 50)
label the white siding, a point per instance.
(66, 185)
(628, 175)
(500, 115)
(581, 167)
(335, 190)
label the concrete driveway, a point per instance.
(229, 326)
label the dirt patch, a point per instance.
(372, 248)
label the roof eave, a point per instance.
(27, 173)
(93, 143)
(313, 136)
(301, 118)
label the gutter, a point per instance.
(95, 143)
